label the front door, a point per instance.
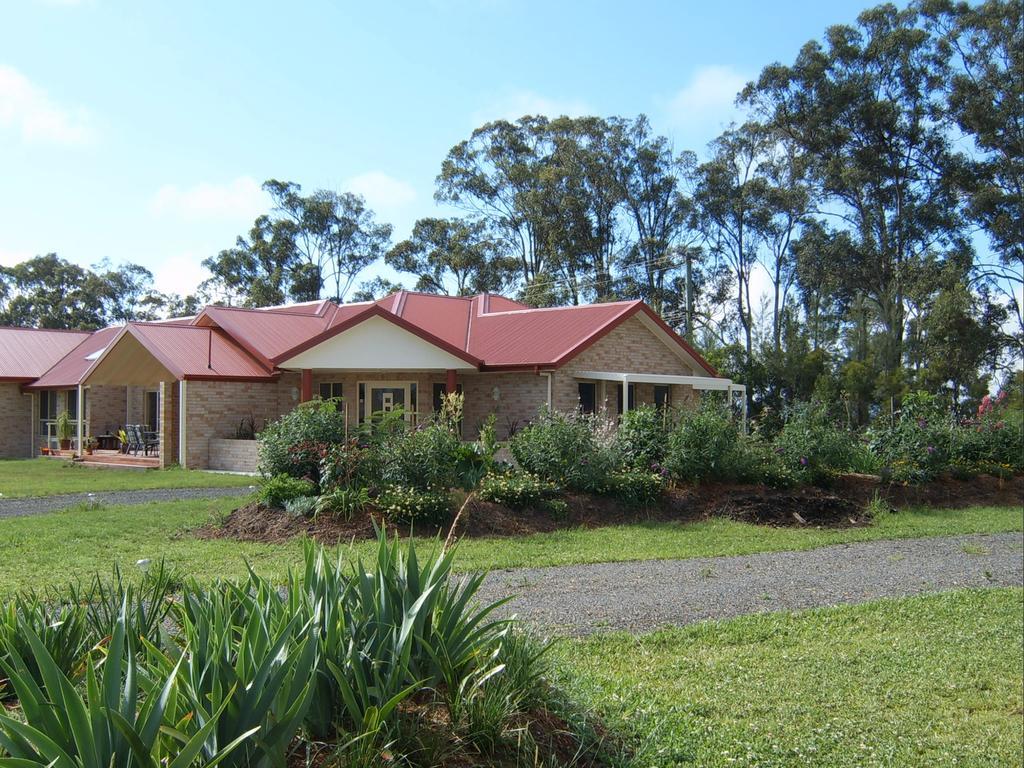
(387, 396)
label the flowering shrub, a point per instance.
(296, 443)
(916, 447)
(411, 505)
(349, 464)
(642, 437)
(636, 487)
(516, 490)
(568, 449)
(276, 491)
(813, 446)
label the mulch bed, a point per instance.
(841, 505)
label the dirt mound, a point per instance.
(841, 505)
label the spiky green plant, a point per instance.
(244, 657)
(144, 603)
(60, 626)
(123, 719)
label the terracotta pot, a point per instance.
(65, 445)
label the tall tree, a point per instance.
(49, 292)
(730, 201)
(308, 245)
(865, 108)
(651, 180)
(454, 256)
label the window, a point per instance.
(331, 390)
(73, 404)
(662, 395)
(588, 396)
(151, 414)
(632, 397)
(47, 409)
(439, 392)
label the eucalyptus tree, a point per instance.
(495, 176)
(731, 213)
(454, 256)
(866, 108)
(654, 185)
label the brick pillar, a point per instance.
(450, 382)
(307, 385)
(168, 423)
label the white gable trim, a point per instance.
(375, 344)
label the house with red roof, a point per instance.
(196, 383)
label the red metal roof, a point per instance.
(267, 334)
(541, 336)
(27, 353)
(192, 352)
(490, 332)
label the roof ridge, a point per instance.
(629, 302)
(48, 330)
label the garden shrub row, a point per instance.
(248, 674)
(408, 474)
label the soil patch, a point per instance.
(841, 505)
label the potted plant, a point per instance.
(90, 445)
(122, 438)
(65, 429)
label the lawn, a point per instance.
(45, 477)
(52, 549)
(922, 681)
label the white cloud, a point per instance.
(180, 274)
(708, 98)
(514, 104)
(241, 199)
(26, 108)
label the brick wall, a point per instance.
(105, 409)
(16, 421)
(520, 397)
(169, 415)
(632, 348)
(234, 455)
(214, 409)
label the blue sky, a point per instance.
(141, 131)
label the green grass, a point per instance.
(46, 477)
(52, 549)
(923, 681)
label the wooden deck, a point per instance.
(118, 459)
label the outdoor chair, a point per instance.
(134, 434)
(150, 441)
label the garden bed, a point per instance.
(842, 505)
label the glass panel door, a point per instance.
(387, 397)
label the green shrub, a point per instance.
(642, 437)
(916, 447)
(277, 491)
(348, 464)
(412, 505)
(516, 490)
(568, 449)
(343, 502)
(301, 506)
(813, 446)
(636, 487)
(422, 458)
(295, 444)
(706, 445)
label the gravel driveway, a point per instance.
(640, 596)
(37, 505)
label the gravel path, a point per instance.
(640, 596)
(37, 505)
